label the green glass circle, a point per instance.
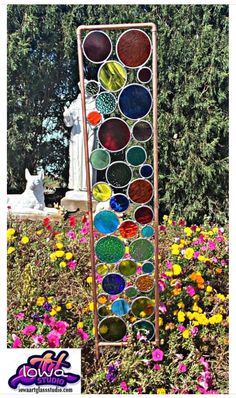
(105, 103)
(131, 291)
(103, 311)
(136, 155)
(92, 88)
(142, 307)
(148, 267)
(127, 267)
(100, 159)
(146, 328)
(102, 269)
(110, 249)
(112, 76)
(112, 328)
(141, 249)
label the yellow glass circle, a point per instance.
(112, 76)
(101, 191)
(102, 269)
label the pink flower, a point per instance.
(38, 338)
(163, 308)
(190, 290)
(17, 343)
(53, 339)
(29, 329)
(84, 230)
(141, 337)
(49, 320)
(84, 336)
(125, 338)
(20, 315)
(162, 228)
(71, 235)
(139, 390)
(99, 278)
(112, 298)
(182, 368)
(169, 264)
(71, 264)
(194, 331)
(157, 355)
(193, 228)
(211, 245)
(196, 254)
(139, 270)
(83, 240)
(61, 327)
(205, 380)
(214, 259)
(157, 366)
(181, 328)
(204, 363)
(161, 286)
(124, 386)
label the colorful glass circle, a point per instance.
(105, 103)
(101, 191)
(142, 131)
(120, 307)
(142, 307)
(113, 283)
(102, 269)
(140, 191)
(136, 155)
(147, 267)
(141, 249)
(145, 283)
(112, 76)
(147, 231)
(146, 328)
(144, 75)
(133, 48)
(114, 134)
(103, 311)
(102, 298)
(143, 215)
(118, 174)
(119, 202)
(135, 101)
(112, 328)
(100, 159)
(97, 46)
(106, 222)
(127, 267)
(110, 249)
(146, 171)
(131, 291)
(128, 229)
(92, 88)
(94, 118)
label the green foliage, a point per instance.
(192, 99)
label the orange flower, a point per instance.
(218, 270)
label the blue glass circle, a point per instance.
(147, 231)
(147, 267)
(119, 202)
(135, 101)
(106, 222)
(146, 171)
(113, 283)
(120, 307)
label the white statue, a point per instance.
(73, 118)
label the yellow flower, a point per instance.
(181, 316)
(69, 306)
(142, 314)
(176, 291)
(40, 301)
(209, 289)
(10, 232)
(190, 315)
(103, 329)
(217, 318)
(10, 249)
(89, 279)
(169, 273)
(91, 306)
(188, 254)
(69, 255)
(186, 334)
(53, 257)
(161, 391)
(160, 321)
(62, 264)
(59, 245)
(57, 308)
(53, 312)
(221, 297)
(127, 249)
(201, 258)
(169, 221)
(215, 230)
(50, 299)
(198, 229)
(59, 236)
(177, 269)
(188, 231)
(24, 240)
(175, 249)
(80, 325)
(133, 319)
(93, 330)
(39, 232)
(181, 304)
(59, 253)
(165, 217)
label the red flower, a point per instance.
(72, 221)
(46, 222)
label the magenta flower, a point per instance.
(29, 329)
(190, 290)
(181, 328)
(84, 336)
(140, 390)
(194, 331)
(161, 286)
(162, 228)
(19, 316)
(162, 308)
(139, 270)
(49, 320)
(54, 339)
(196, 254)
(71, 264)
(61, 327)
(84, 230)
(169, 264)
(71, 235)
(157, 366)
(182, 368)
(17, 343)
(125, 338)
(124, 386)
(83, 240)
(157, 355)
(205, 380)
(38, 338)
(211, 245)
(99, 278)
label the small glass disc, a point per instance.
(120, 307)
(119, 202)
(136, 155)
(113, 283)
(147, 267)
(100, 159)
(143, 215)
(141, 249)
(147, 231)
(118, 174)
(110, 249)
(97, 46)
(128, 229)
(105, 103)
(112, 76)
(131, 291)
(146, 328)
(127, 267)
(101, 191)
(142, 307)
(145, 283)
(102, 269)
(140, 191)
(142, 131)
(146, 171)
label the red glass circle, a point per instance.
(94, 118)
(128, 229)
(140, 191)
(114, 134)
(143, 215)
(97, 46)
(144, 75)
(133, 48)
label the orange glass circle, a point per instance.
(128, 229)
(94, 118)
(140, 191)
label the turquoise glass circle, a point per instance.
(113, 283)
(136, 155)
(146, 328)
(141, 249)
(147, 231)
(106, 222)
(105, 103)
(120, 307)
(147, 267)
(110, 249)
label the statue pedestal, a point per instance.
(76, 200)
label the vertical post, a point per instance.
(90, 203)
(155, 164)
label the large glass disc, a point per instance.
(97, 46)
(120, 307)
(106, 222)
(133, 48)
(141, 249)
(110, 249)
(113, 283)
(112, 328)
(136, 155)
(114, 134)
(118, 174)
(112, 76)
(135, 101)
(142, 307)
(119, 202)
(140, 191)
